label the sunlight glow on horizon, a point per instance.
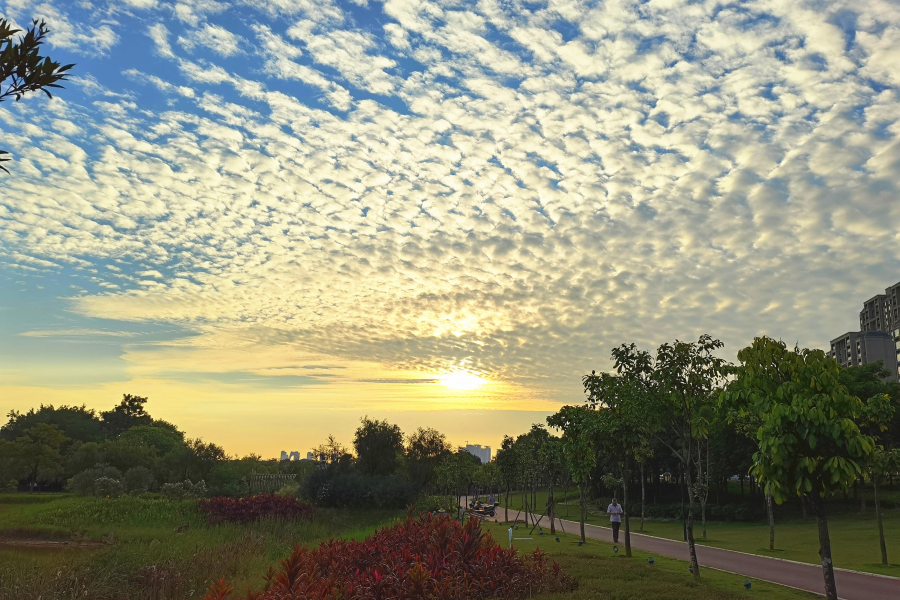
(461, 381)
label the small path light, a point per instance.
(747, 584)
(691, 567)
(615, 549)
(580, 542)
(650, 561)
(557, 538)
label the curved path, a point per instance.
(851, 585)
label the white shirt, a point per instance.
(615, 513)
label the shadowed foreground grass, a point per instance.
(601, 574)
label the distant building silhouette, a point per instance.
(294, 455)
(878, 337)
(484, 453)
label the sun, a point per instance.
(461, 381)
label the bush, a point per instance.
(83, 483)
(728, 512)
(185, 489)
(429, 557)
(138, 480)
(433, 504)
(243, 510)
(742, 513)
(11, 486)
(291, 490)
(352, 490)
(108, 487)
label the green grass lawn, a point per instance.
(854, 538)
(150, 560)
(601, 574)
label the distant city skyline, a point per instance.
(273, 218)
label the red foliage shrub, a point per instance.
(429, 557)
(243, 510)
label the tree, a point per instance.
(76, 422)
(456, 471)
(578, 424)
(158, 437)
(809, 442)
(881, 463)
(331, 452)
(378, 444)
(553, 463)
(621, 433)
(137, 479)
(127, 414)
(507, 460)
(767, 362)
(877, 414)
(529, 448)
(22, 69)
(40, 450)
(11, 465)
(676, 388)
(425, 449)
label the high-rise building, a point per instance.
(484, 453)
(857, 348)
(878, 337)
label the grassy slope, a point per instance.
(149, 556)
(601, 574)
(854, 538)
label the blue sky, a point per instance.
(301, 212)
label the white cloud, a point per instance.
(215, 38)
(81, 38)
(521, 195)
(160, 36)
(76, 333)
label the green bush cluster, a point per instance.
(432, 504)
(104, 480)
(183, 490)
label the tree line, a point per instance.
(795, 425)
(386, 468)
(47, 448)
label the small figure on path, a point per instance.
(491, 501)
(615, 518)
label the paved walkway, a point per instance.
(851, 585)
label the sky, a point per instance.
(273, 217)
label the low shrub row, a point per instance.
(428, 557)
(244, 510)
(330, 489)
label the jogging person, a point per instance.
(615, 518)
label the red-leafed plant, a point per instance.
(243, 510)
(428, 557)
